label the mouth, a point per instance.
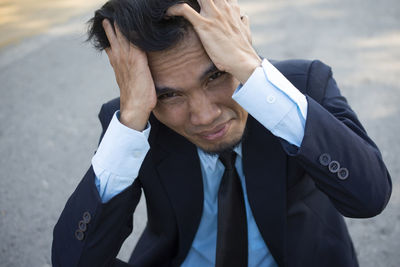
(216, 133)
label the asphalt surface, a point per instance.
(23, 18)
(53, 84)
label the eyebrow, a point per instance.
(165, 89)
(212, 68)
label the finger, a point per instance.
(120, 37)
(112, 39)
(207, 5)
(123, 41)
(109, 55)
(108, 51)
(186, 11)
(231, 1)
(246, 22)
(220, 3)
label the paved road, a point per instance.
(22, 18)
(52, 86)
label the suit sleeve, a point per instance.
(89, 232)
(119, 157)
(337, 152)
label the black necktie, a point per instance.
(232, 223)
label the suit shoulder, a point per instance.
(107, 111)
(299, 66)
(301, 73)
(110, 107)
(292, 66)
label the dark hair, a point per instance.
(142, 22)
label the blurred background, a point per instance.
(52, 85)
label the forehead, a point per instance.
(184, 61)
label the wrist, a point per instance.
(246, 68)
(136, 120)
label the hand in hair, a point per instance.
(136, 85)
(224, 33)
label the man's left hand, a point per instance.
(224, 33)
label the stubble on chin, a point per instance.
(225, 146)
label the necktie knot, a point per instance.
(228, 159)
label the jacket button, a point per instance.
(343, 173)
(325, 159)
(334, 166)
(87, 217)
(82, 226)
(79, 235)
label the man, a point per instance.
(238, 164)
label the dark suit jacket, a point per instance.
(296, 201)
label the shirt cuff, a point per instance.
(273, 101)
(122, 149)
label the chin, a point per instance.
(222, 146)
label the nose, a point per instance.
(203, 111)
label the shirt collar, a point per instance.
(210, 161)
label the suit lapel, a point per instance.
(264, 166)
(180, 173)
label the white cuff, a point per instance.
(273, 101)
(275, 77)
(122, 149)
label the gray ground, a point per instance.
(52, 87)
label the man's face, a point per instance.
(195, 98)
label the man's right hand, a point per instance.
(137, 91)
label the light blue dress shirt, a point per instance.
(270, 98)
(203, 248)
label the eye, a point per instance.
(167, 95)
(216, 75)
